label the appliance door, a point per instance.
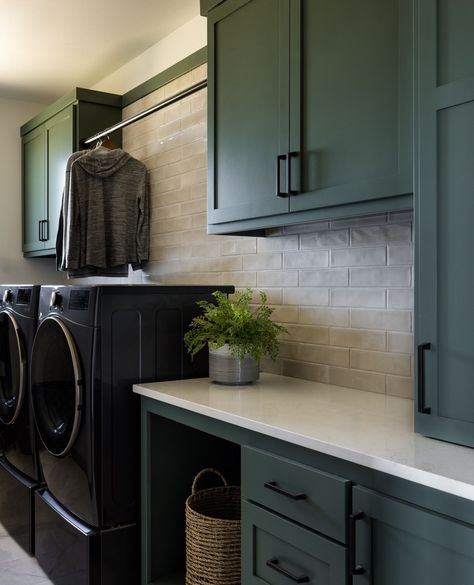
(56, 386)
(12, 369)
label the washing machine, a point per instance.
(92, 344)
(19, 474)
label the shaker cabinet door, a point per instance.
(59, 147)
(351, 100)
(248, 109)
(397, 543)
(444, 212)
(34, 189)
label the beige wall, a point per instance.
(13, 267)
(184, 41)
(343, 289)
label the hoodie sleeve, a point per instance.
(72, 227)
(143, 223)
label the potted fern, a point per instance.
(238, 335)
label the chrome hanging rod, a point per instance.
(167, 102)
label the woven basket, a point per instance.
(213, 534)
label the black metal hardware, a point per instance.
(279, 192)
(275, 565)
(45, 230)
(272, 485)
(289, 156)
(421, 378)
(40, 224)
(353, 568)
(151, 110)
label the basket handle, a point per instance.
(203, 472)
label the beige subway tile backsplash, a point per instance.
(343, 289)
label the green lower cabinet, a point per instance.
(279, 552)
(401, 544)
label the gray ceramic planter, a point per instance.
(224, 368)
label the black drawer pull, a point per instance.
(272, 485)
(275, 565)
(421, 378)
(353, 568)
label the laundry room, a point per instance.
(291, 151)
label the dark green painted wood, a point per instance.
(184, 66)
(60, 128)
(325, 507)
(34, 188)
(76, 95)
(356, 93)
(397, 543)
(444, 208)
(267, 536)
(172, 455)
(245, 227)
(207, 5)
(59, 140)
(414, 493)
(248, 107)
(349, 109)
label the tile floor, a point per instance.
(16, 566)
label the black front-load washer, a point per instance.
(19, 476)
(91, 345)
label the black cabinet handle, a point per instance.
(279, 192)
(353, 568)
(289, 156)
(40, 230)
(272, 485)
(275, 565)
(421, 378)
(45, 230)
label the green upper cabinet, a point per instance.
(310, 110)
(248, 110)
(444, 212)
(47, 142)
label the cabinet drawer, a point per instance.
(278, 552)
(311, 497)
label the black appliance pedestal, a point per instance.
(72, 553)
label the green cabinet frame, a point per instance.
(415, 523)
(443, 215)
(310, 111)
(47, 142)
(400, 543)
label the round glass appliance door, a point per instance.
(56, 386)
(12, 369)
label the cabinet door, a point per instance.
(351, 100)
(34, 189)
(396, 543)
(444, 212)
(59, 147)
(248, 108)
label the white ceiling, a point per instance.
(48, 47)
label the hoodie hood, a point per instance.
(102, 162)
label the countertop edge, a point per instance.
(426, 478)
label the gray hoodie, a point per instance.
(108, 220)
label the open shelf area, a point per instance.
(175, 454)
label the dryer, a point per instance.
(91, 345)
(19, 474)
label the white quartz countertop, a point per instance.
(369, 429)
